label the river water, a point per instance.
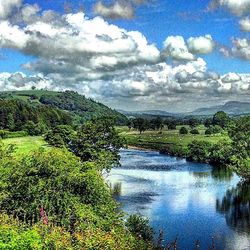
(188, 201)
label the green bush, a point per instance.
(60, 203)
(199, 151)
(3, 134)
(183, 131)
(7, 134)
(194, 131)
(214, 130)
(55, 181)
(139, 226)
(17, 134)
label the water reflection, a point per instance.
(185, 199)
(217, 173)
(222, 173)
(235, 205)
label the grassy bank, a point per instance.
(24, 145)
(167, 141)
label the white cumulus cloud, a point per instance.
(245, 24)
(175, 47)
(237, 7)
(90, 48)
(201, 44)
(8, 6)
(117, 10)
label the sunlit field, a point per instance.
(26, 144)
(164, 137)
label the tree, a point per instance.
(60, 136)
(97, 139)
(221, 153)
(183, 131)
(221, 118)
(10, 122)
(32, 128)
(193, 122)
(130, 123)
(157, 123)
(199, 151)
(171, 124)
(240, 136)
(141, 124)
(216, 129)
(208, 122)
(194, 131)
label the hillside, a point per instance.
(77, 105)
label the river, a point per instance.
(188, 201)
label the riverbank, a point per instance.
(167, 141)
(195, 148)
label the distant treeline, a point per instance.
(214, 124)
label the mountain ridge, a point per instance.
(231, 107)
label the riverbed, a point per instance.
(195, 203)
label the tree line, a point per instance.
(214, 124)
(17, 115)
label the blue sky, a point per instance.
(157, 21)
(195, 51)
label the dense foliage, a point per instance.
(50, 199)
(95, 140)
(234, 152)
(240, 135)
(183, 131)
(17, 115)
(80, 107)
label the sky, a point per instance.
(172, 55)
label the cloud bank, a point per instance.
(236, 7)
(114, 65)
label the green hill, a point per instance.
(80, 107)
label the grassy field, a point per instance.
(166, 140)
(26, 144)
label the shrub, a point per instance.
(214, 130)
(221, 153)
(194, 131)
(55, 181)
(183, 131)
(3, 134)
(66, 203)
(16, 134)
(199, 151)
(139, 226)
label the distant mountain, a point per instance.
(80, 107)
(149, 114)
(232, 108)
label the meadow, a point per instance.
(160, 140)
(167, 140)
(24, 145)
